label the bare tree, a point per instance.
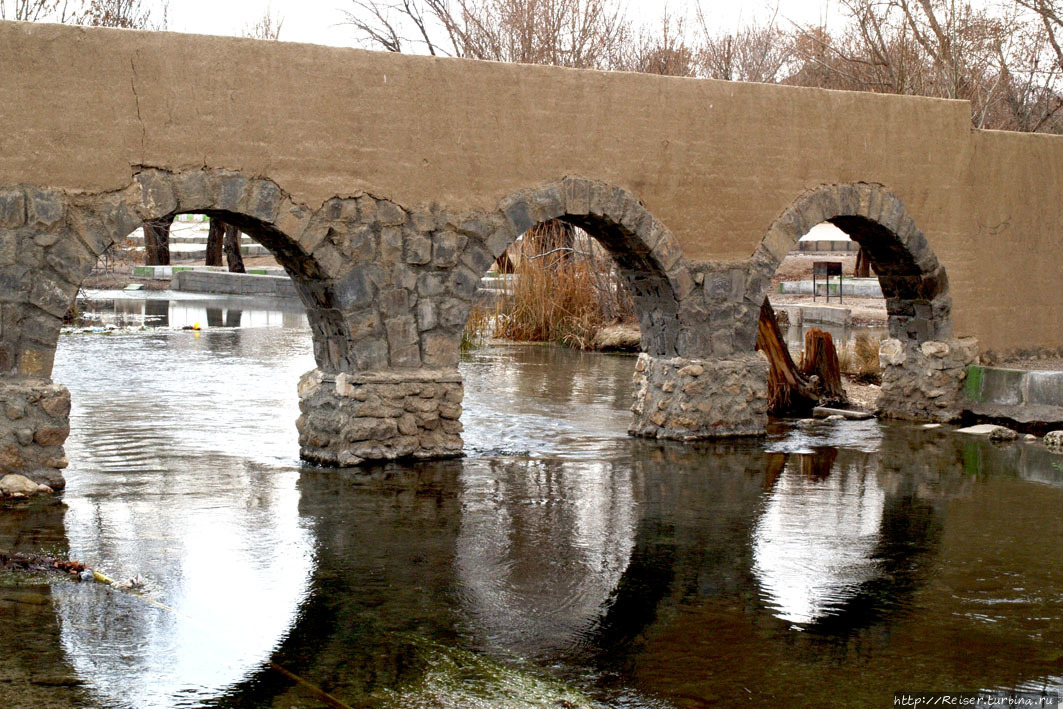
(35, 10)
(665, 51)
(1050, 15)
(759, 52)
(266, 27)
(128, 14)
(402, 25)
(999, 60)
(573, 33)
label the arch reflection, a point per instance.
(814, 543)
(543, 545)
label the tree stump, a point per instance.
(820, 359)
(794, 390)
(789, 391)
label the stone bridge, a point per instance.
(387, 184)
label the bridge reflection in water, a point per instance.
(818, 566)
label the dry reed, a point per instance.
(860, 360)
(563, 290)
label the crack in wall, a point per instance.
(136, 98)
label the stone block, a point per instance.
(453, 313)
(265, 201)
(44, 208)
(519, 215)
(394, 302)
(422, 220)
(391, 245)
(403, 341)
(52, 296)
(446, 247)
(389, 214)
(681, 282)
(440, 348)
(666, 254)
(779, 241)
(548, 201)
(476, 257)
(577, 195)
(230, 191)
(354, 290)
(192, 190)
(12, 208)
(418, 249)
(51, 435)
(500, 239)
(369, 353)
(426, 314)
(431, 285)
(465, 282)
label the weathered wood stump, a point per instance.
(794, 390)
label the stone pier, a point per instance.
(33, 428)
(689, 399)
(348, 419)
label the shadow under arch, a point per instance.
(648, 257)
(913, 282)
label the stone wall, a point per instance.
(689, 399)
(924, 382)
(348, 419)
(33, 427)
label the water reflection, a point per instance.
(813, 546)
(170, 309)
(542, 547)
(813, 568)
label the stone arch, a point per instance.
(66, 234)
(648, 257)
(913, 281)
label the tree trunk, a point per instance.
(157, 242)
(789, 391)
(215, 238)
(820, 359)
(232, 249)
(863, 265)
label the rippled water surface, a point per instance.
(561, 563)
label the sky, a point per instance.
(321, 21)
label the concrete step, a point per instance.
(827, 314)
(165, 273)
(1026, 396)
(196, 281)
(197, 252)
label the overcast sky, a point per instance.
(320, 21)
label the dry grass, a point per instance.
(860, 360)
(478, 328)
(564, 290)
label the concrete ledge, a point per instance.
(826, 314)
(862, 287)
(165, 273)
(827, 246)
(1016, 394)
(233, 284)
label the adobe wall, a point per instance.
(715, 162)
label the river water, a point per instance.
(560, 564)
